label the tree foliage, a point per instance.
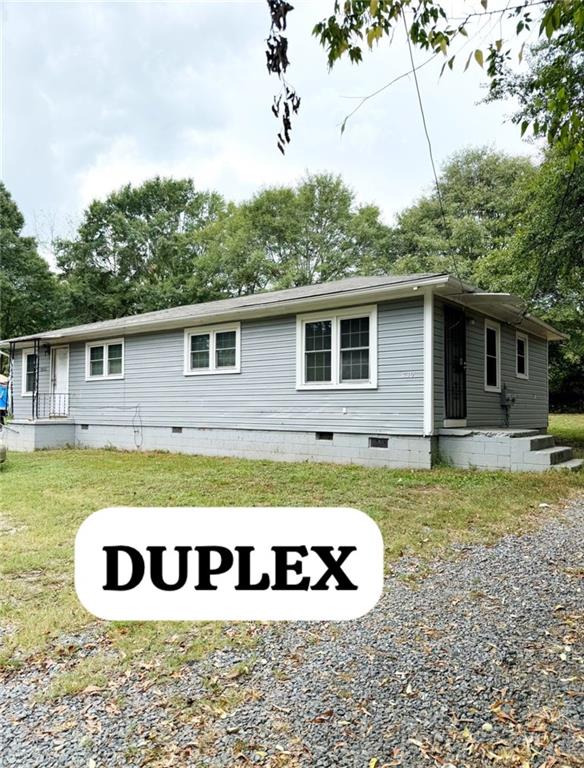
(30, 299)
(481, 200)
(551, 92)
(164, 243)
(544, 262)
(285, 237)
(139, 250)
(357, 25)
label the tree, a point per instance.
(476, 214)
(551, 92)
(140, 249)
(30, 298)
(285, 237)
(544, 263)
(354, 26)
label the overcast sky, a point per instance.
(99, 94)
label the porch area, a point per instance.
(39, 434)
(518, 450)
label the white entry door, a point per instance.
(59, 397)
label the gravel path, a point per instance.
(480, 663)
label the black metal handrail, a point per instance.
(52, 405)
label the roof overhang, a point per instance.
(507, 308)
(204, 314)
(502, 306)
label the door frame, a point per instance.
(52, 376)
(450, 422)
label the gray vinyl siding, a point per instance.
(155, 392)
(22, 405)
(531, 395)
(483, 408)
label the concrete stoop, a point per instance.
(514, 449)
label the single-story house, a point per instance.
(396, 371)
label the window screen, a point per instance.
(355, 349)
(96, 361)
(318, 350)
(30, 372)
(492, 363)
(114, 359)
(200, 351)
(225, 342)
(521, 356)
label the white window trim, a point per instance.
(335, 317)
(497, 328)
(25, 354)
(105, 344)
(212, 330)
(525, 338)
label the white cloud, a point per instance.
(120, 92)
(214, 161)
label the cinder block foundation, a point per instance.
(402, 451)
(39, 435)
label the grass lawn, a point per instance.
(568, 429)
(46, 495)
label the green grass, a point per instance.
(568, 429)
(46, 495)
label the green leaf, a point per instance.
(478, 54)
(374, 7)
(524, 126)
(484, 3)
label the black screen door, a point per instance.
(455, 362)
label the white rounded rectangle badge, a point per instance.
(228, 563)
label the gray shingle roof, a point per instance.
(257, 301)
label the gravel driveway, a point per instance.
(471, 661)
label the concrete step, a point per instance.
(541, 441)
(515, 434)
(547, 457)
(571, 464)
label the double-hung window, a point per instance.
(337, 349)
(522, 355)
(104, 359)
(29, 363)
(492, 356)
(213, 349)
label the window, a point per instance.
(522, 356)
(212, 350)
(104, 359)
(337, 349)
(29, 362)
(379, 442)
(355, 349)
(318, 351)
(492, 356)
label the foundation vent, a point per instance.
(324, 435)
